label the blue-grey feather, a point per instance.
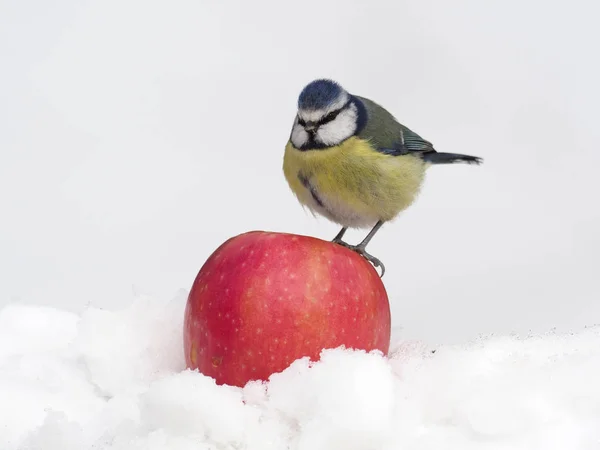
(413, 142)
(450, 158)
(408, 142)
(319, 94)
(394, 151)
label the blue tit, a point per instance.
(351, 161)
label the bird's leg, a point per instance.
(361, 248)
(338, 237)
(369, 236)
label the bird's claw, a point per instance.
(361, 251)
(376, 262)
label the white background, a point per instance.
(137, 136)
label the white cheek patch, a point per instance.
(299, 136)
(339, 129)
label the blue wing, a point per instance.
(390, 137)
(385, 133)
(407, 142)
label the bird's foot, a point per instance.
(361, 251)
(361, 248)
(376, 262)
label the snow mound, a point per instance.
(117, 380)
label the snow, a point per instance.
(117, 380)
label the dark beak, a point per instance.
(311, 127)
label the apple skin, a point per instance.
(264, 299)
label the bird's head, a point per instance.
(327, 115)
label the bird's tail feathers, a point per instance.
(450, 158)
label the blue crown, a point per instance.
(318, 94)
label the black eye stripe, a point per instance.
(329, 117)
(333, 114)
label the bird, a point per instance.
(349, 160)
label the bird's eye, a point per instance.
(301, 122)
(329, 117)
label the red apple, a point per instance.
(265, 299)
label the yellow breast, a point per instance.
(354, 184)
